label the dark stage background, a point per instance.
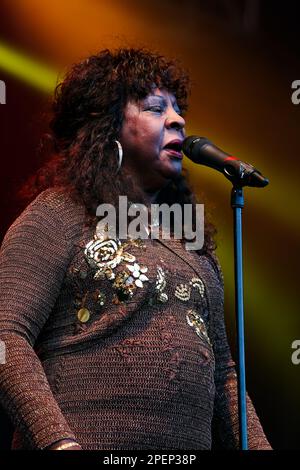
(243, 57)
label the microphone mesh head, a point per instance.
(190, 142)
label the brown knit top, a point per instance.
(117, 344)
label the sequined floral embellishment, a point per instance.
(126, 282)
(104, 254)
(195, 320)
(137, 274)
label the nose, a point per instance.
(174, 120)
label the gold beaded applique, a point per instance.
(160, 286)
(183, 291)
(80, 303)
(104, 254)
(193, 317)
(198, 284)
(195, 320)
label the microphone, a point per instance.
(200, 150)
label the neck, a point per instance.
(151, 196)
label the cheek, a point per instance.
(143, 138)
(152, 135)
(129, 131)
(141, 135)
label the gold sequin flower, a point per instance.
(105, 255)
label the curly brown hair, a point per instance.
(87, 116)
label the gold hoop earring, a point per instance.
(120, 154)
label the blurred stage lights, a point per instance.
(30, 71)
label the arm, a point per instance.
(226, 420)
(33, 259)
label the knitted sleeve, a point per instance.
(33, 260)
(225, 424)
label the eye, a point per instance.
(156, 109)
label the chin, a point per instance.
(165, 174)
(175, 171)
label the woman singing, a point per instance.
(115, 343)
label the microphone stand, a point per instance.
(201, 150)
(237, 204)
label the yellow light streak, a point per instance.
(32, 72)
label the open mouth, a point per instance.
(174, 148)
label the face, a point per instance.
(151, 137)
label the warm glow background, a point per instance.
(242, 72)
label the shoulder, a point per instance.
(57, 200)
(215, 263)
(57, 205)
(51, 212)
